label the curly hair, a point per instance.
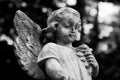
(62, 13)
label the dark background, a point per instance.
(106, 49)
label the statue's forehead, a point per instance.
(71, 21)
(72, 18)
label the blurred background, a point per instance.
(101, 31)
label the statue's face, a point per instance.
(69, 29)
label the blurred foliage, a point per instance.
(100, 32)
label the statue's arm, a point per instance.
(54, 70)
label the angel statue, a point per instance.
(48, 54)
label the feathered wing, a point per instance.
(27, 44)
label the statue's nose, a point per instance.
(73, 29)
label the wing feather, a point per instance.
(27, 44)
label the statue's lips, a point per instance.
(72, 35)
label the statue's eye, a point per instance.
(67, 26)
(78, 27)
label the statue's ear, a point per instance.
(51, 29)
(49, 34)
(53, 25)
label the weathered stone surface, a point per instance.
(27, 45)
